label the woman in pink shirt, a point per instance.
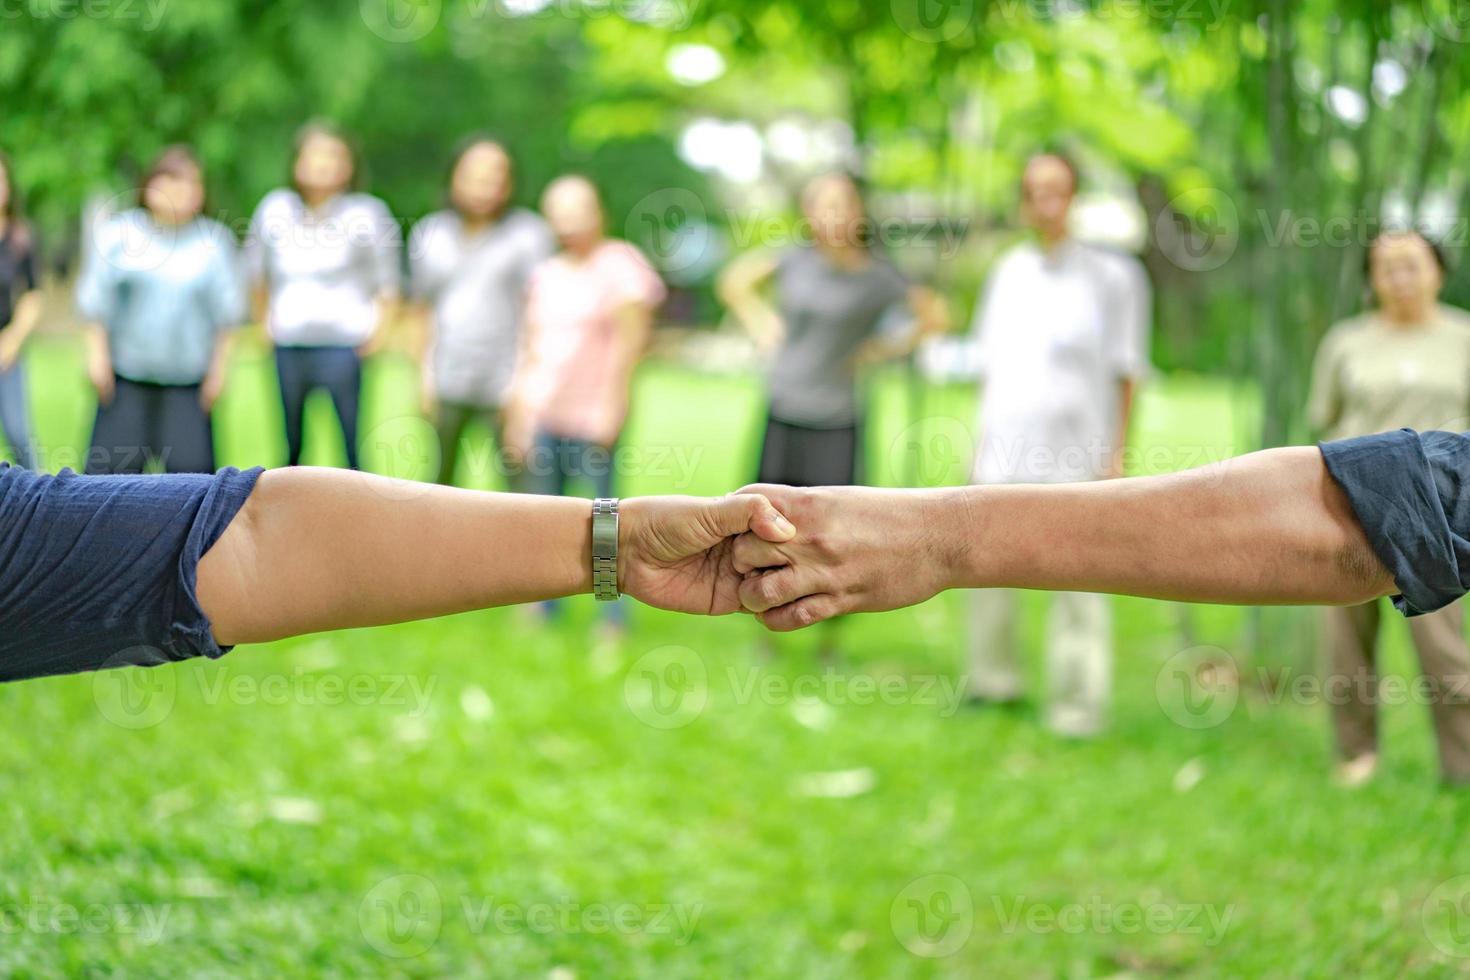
(589, 313)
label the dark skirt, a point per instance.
(801, 456)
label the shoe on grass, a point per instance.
(1358, 771)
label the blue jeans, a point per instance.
(552, 464)
(339, 371)
(14, 419)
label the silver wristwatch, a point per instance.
(605, 549)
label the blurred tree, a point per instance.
(1266, 138)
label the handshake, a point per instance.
(1272, 527)
(793, 557)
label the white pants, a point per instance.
(1079, 655)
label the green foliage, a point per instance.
(1235, 120)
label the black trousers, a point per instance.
(800, 456)
(151, 421)
(339, 371)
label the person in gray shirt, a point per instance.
(470, 265)
(162, 290)
(836, 299)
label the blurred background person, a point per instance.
(20, 309)
(471, 264)
(1406, 362)
(162, 291)
(1061, 338)
(324, 261)
(836, 301)
(589, 317)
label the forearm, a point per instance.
(98, 345)
(224, 345)
(1268, 528)
(260, 305)
(317, 549)
(27, 315)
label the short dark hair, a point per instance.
(174, 160)
(329, 130)
(1435, 248)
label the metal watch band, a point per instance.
(605, 549)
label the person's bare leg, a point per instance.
(1350, 636)
(317, 549)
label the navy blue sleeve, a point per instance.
(1408, 491)
(100, 571)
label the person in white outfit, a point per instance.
(1061, 340)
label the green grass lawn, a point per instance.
(482, 795)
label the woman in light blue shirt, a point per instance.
(162, 289)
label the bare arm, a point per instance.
(219, 368)
(520, 422)
(740, 289)
(13, 337)
(1271, 527)
(317, 549)
(930, 317)
(635, 330)
(99, 362)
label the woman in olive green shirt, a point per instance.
(1404, 363)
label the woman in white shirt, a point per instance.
(325, 262)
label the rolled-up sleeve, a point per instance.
(102, 571)
(1408, 490)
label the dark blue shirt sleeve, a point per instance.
(1408, 491)
(100, 571)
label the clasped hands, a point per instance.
(792, 557)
